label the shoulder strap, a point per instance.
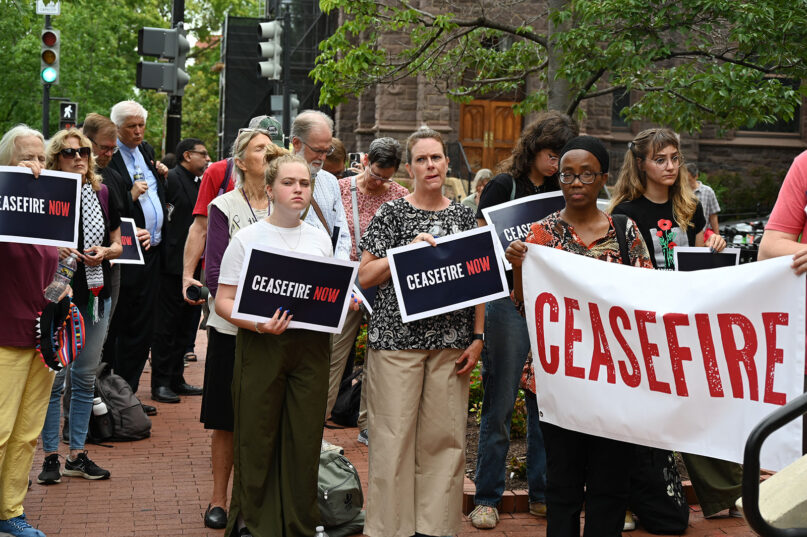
(227, 173)
(356, 229)
(620, 226)
(513, 190)
(320, 215)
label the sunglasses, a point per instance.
(69, 152)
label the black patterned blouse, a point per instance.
(395, 224)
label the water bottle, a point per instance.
(98, 407)
(320, 532)
(61, 279)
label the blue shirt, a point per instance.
(149, 200)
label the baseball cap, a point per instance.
(270, 124)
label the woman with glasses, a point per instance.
(653, 189)
(417, 391)
(98, 243)
(362, 195)
(583, 468)
(531, 169)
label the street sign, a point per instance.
(48, 8)
(68, 114)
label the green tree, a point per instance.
(99, 58)
(691, 62)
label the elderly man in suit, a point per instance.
(139, 169)
(170, 336)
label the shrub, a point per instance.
(738, 194)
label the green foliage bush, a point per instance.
(518, 425)
(740, 194)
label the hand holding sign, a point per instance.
(277, 324)
(516, 253)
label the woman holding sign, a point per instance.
(417, 392)
(280, 377)
(653, 189)
(98, 243)
(247, 203)
(582, 467)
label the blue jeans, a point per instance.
(82, 381)
(507, 344)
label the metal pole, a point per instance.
(46, 97)
(173, 115)
(286, 70)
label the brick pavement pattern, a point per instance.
(160, 486)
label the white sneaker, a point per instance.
(364, 438)
(484, 517)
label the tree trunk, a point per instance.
(559, 96)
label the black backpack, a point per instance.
(127, 420)
(346, 409)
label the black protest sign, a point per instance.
(461, 271)
(689, 258)
(39, 211)
(132, 254)
(316, 290)
(512, 219)
(367, 296)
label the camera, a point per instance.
(354, 159)
(197, 292)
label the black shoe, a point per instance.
(215, 518)
(187, 389)
(163, 394)
(51, 473)
(149, 410)
(84, 467)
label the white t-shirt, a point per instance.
(304, 239)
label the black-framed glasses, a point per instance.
(587, 177)
(69, 152)
(327, 152)
(105, 148)
(204, 154)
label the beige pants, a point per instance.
(342, 343)
(417, 407)
(25, 384)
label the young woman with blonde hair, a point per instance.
(653, 190)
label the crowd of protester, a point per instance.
(268, 389)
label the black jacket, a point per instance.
(133, 209)
(181, 190)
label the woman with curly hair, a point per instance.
(654, 190)
(531, 169)
(99, 242)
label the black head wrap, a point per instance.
(592, 145)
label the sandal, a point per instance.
(190, 357)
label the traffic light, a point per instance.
(167, 44)
(49, 58)
(270, 51)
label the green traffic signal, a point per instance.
(49, 75)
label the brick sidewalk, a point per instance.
(160, 486)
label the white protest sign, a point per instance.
(686, 361)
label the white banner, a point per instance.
(686, 361)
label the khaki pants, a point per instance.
(342, 343)
(25, 384)
(417, 407)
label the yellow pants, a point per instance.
(25, 384)
(417, 407)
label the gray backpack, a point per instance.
(128, 420)
(339, 494)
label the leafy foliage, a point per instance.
(99, 57)
(691, 62)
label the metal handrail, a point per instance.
(776, 420)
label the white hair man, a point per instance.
(311, 136)
(133, 322)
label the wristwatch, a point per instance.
(480, 337)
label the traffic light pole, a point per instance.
(286, 72)
(173, 114)
(46, 97)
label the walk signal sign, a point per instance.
(68, 112)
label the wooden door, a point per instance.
(488, 132)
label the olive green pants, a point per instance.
(280, 384)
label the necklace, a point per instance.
(289, 246)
